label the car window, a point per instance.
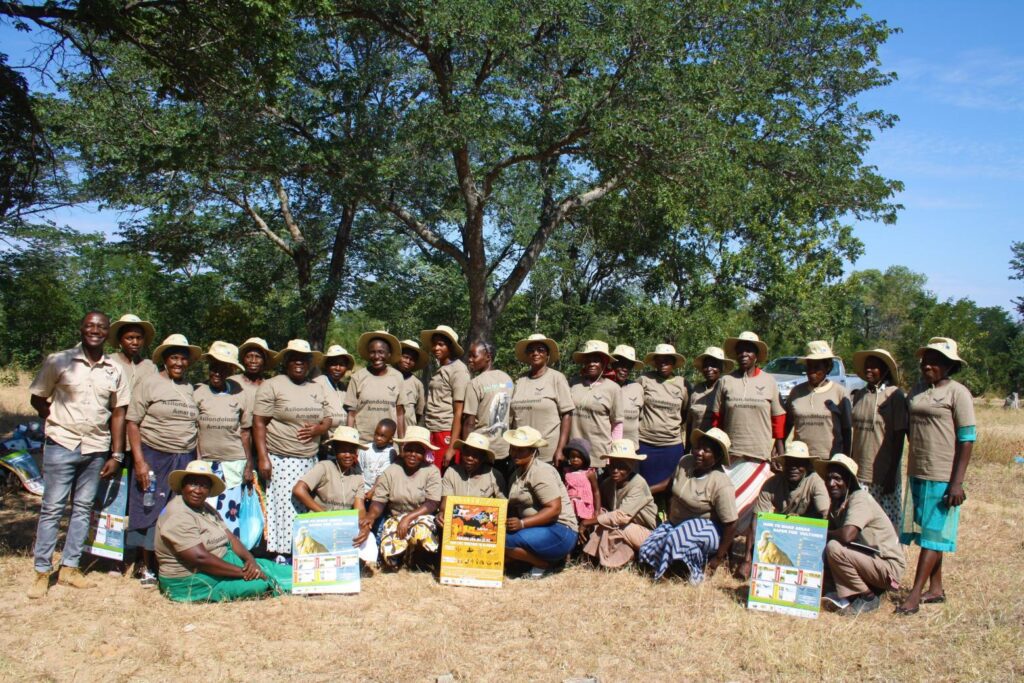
(835, 369)
(785, 366)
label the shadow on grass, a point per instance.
(18, 516)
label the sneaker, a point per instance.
(536, 573)
(148, 579)
(73, 576)
(832, 600)
(283, 559)
(862, 605)
(40, 586)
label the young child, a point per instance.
(581, 483)
(381, 453)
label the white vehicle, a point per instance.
(788, 373)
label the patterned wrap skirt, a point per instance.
(422, 534)
(690, 543)
(281, 505)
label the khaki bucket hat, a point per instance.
(623, 449)
(114, 333)
(524, 437)
(427, 339)
(197, 468)
(477, 441)
(665, 350)
(817, 350)
(730, 345)
(344, 434)
(627, 353)
(717, 435)
(337, 351)
(421, 358)
(521, 345)
(258, 344)
(363, 345)
(223, 352)
(799, 450)
(298, 346)
(944, 345)
(417, 434)
(861, 357)
(844, 461)
(589, 347)
(714, 352)
(176, 340)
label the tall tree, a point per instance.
(1017, 266)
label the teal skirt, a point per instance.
(207, 588)
(927, 520)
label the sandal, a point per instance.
(906, 612)
(934, 599)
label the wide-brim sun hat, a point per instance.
(716, 435)
(259, 344)
(114, 333)
(840, 460)
(746, 336)
(818, 349)
(944, 345)
(623, 449)
(421, 358)
(417, 434)
(337, 351)
(427, 339)
(861, 357)
(197, 468)
(718, 354)
(520, 348)
(363, 345)
(300, 346)
(524, 437)
(223, 352)
(176, 341)
(479, 442)
(589, 347)
(627, 353)
(350, 435)
(665, 350)
(798, 450)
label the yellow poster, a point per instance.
(473, 546)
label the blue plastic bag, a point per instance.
(250, 518)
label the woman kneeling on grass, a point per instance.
(200, 560)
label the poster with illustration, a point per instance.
(323, 557)
(473, 545)
(788, 564)
(109, 516)
(24, 467)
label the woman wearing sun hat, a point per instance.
(446, 392)
(131, 334)
(663, 416)
(598, 409)
(337, 363)
(225, 419)
(410, 492)
(624, 363)
(819, 409)
(200, 559)
(701, 515)
(289, 417)
(541, 398)
(488, 399)
(257, 358)
(375, 392)
(475, 476)
(942, 435)
(712, 364)
(163, 430)
(542, 527)
(414, 395)
(863, 552)
(880, 424)
(747, 405)
(630, 513)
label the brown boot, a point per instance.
(73, 576)
(40, 585)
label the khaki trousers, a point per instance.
(855, 572)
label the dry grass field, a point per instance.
(615, 626)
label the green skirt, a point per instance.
(206, 588)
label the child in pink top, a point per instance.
(581, 482)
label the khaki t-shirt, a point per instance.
(935, 415)
(335, 400)
(134, 372)
(747, 405)
(447, 386)
(179, 528)
(290, 406)
(529, 492)
(712, 496)
(414, 399)
(402, 493)
(332, 488)
(489, 398)
(598, 407)
(373, 398)
(878, 417)
(813, 422)
(701, 409)
(487, 483)
(633, 499)
(166, 413)
(809, 498)
(540, 403)
(661, 421)
(249, 390)
(876, 530)
(632, 405)
(222, 417)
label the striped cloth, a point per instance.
(748, 477)
(691, 542)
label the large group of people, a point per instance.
(623, 462)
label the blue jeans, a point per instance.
(64, 470)
(551, 543)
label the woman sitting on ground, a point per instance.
(475, 476)
(701, 515)
(200, 560)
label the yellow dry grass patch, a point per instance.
(616, 626)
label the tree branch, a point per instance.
(421, 230)
(286, 212)
(243, 204)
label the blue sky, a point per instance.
(959, 145)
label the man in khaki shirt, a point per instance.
(82, 396)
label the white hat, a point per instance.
(623, 449)
(427, 339)
(363, 345)
(114, 334)
(717, 435)
(589, 347)
(799, 450)
(714, 352)
(417, 434)
(300, 346)
(846, 462)
(197, 468)
(626, 352)
(665, 350)
(336, 351)
(730, 346)
(477, 441)
(861, 357)
(524, 437)
(173, 341)
(521, 345)
(944, 345)
(421, 358)
(817, 350)
(345, 434)
(223, 352)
